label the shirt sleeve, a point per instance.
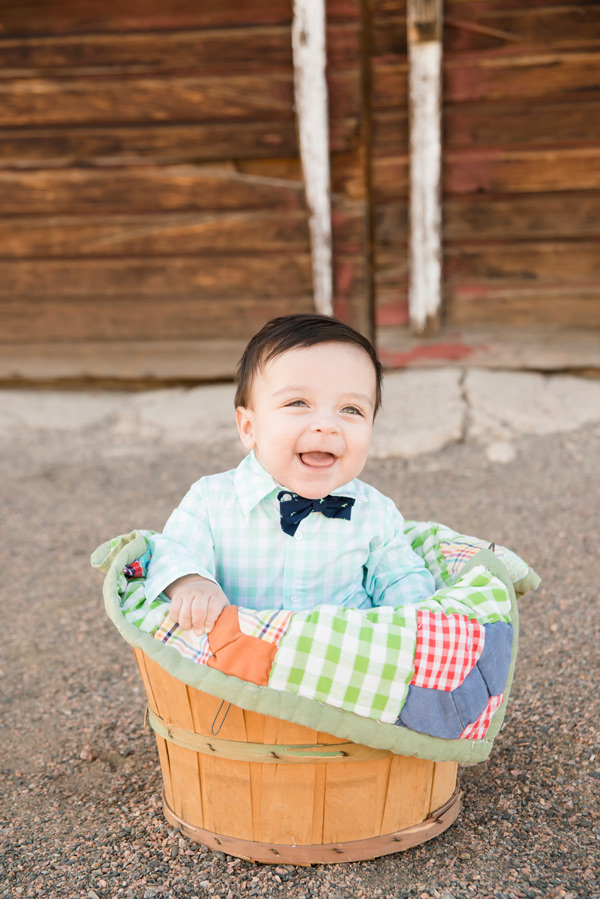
(185, 546)
(395, 575)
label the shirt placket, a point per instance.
(295, 572)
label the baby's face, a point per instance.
(310, 417)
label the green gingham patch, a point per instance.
(478, 594)
(425, 541)
(358, 661)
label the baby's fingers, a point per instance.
(198, 614)
(175, 607)
(215, 607)
(185, 613)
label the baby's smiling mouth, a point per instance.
(317, 459)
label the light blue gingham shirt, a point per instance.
(227, 529)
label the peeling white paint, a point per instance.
(310, 86)
(425, 254)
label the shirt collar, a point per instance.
(253, 483)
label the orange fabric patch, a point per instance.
(239, 654)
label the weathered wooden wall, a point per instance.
(521, 180)
(153, 212)
(151, 197)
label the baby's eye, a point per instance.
(353, 410)
(297, 403)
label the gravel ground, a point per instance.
(80, 813)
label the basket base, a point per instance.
(326, 853)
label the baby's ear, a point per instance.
(244, 419)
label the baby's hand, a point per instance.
(196, 602)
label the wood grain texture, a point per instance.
(160, 189)
(518, 124)
(491, 27)
(136, 318)
(156, 144)
(561, 308)
(215, 51)
(84, 16)
(472, 218)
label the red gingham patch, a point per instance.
(448, 646)
(478, 729)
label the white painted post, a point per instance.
(310, 87)
(424, 22)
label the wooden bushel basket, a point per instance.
(270, 791)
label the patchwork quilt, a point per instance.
(430, 680)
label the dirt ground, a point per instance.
(80, 813)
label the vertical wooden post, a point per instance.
(424, 23)
(310, 87)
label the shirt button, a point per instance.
(296, 600)
(298, 535)
(285, 497)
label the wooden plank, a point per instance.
(178, 234)
(390, 179)
(480, 217)
(523, 171)
(535, 348)
(138, 318)
(523, 263)
(287, 799)
(84, 16)
(512, 125)
(408, 794)
(444, 784)
(354, 798)
(495, 78)
(477, 27)
(127, 98)
(129, 190)
(161, 144)
(80, 16)
(242, 278)
(226, 787)
(161, 744)
(173, 234)
(558, 307)
(510, 171)
(130, 362)
(165, 99)
(156, 144)
(218, 51)
(255, 730)
(173, 705)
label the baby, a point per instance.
(292, 526)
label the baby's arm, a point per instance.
(196, 602)
(183, 565)
(395, 575)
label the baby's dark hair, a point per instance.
(290, 332)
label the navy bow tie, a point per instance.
(294, 509)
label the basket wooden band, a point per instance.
(274, 753)
(325, 853)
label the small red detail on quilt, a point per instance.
(478, 729)
(448, 647)
(134, 570)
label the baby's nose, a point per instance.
(327, 424)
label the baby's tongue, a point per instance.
(317, 459)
